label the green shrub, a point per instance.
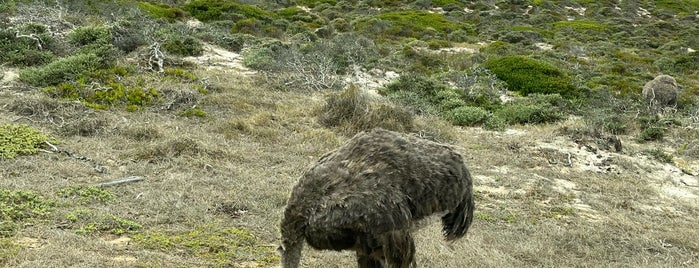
(24, 51)
(529, 76)
(162, 11)
(183, 46)
(467, 116)
(652, 133)
(113, 93)
(535, 109)
(61, 70)
(414, 24)
(495, 123)
(211, 10)
(16, 140)
(89, 35)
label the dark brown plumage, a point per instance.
(369, 194)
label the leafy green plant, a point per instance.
(529, 76)
(16, 140)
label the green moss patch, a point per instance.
(162, 11)
(418, 23)
(224, 246)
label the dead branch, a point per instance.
(32, 37)
(156, 56)
(129, 179)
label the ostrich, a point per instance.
(369, 194)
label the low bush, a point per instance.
(183, 46)
(61, 70)
(468, 116)
(529, 76)
(212, 10)
(535, 109)
(162, 11)
(17, 140)
(25, 51)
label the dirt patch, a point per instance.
(215, 57)
(8, 76)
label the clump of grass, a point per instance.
(86, 194)
(16, 140)
(529, 76)
(224, 246)
(353, 111)
(88, 221)
(7, 249)
(18, 206)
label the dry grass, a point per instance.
(235, 168)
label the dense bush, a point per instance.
(16, 140)
(468, 116)
(529, 76)
(416, 24)
(162, 11)
(535, 109)
(211, 10)
(25, 51)
(61, 70)
(183, 46)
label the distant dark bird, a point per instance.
(369, 195)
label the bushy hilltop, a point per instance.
(68, 65)
(457, 58)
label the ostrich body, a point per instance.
(661, 91)
(369, 194)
